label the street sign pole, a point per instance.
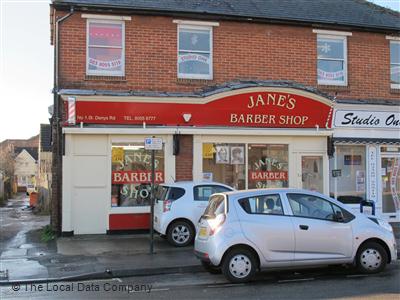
(153, 175)
(152, 144)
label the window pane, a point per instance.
(348, 176)
(266, 204)
(330, 70)
(219, 165)
(268, 166)
(194, 63)
(105, 59)
(194, 40)
(304, 205)
(328, 48)
(395, 74)
(202, 193)
(394, 53)
(131, 174)
(101, 34)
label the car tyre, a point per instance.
(180, 234)
(371, 258)
(239, 265)
(210, 268)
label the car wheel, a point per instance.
(210, 268)
(239, 265)
(180, 234)
(371, 258)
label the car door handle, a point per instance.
(303, 227)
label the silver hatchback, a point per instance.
(245, 231)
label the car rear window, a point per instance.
(216, 206)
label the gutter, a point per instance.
(58, 136)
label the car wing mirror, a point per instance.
(339, 216)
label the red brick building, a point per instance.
(265, 78)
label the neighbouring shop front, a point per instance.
(367, 157)
(256, 137)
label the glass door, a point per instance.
(312, 173)
(390, 176)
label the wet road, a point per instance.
(16, 221)
(20, 236)
(322, 283)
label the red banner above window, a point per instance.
(267, 109)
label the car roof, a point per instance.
(253, 192)
(188, 184)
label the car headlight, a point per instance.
(385, 225)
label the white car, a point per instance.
(245, 231)
(179, 207)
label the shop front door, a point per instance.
(390, 178)
(312, 175)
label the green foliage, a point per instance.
(47, 234)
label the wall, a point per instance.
(87, 181)
(253, 51)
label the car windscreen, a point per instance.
(216, 206)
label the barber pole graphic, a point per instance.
(71, 111)
(393, 184)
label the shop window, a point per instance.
(131, 174)
(348, 174)
(265, 204)
(194, 52)
(225, 163)
(332, 60)
(105, 48)
(267, 166)
(395, 64)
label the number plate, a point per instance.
(203, 232)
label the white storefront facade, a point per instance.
(366, 162)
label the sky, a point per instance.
(26, 66)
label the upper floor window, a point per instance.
(395, 64)
(105, 48)
(195, 52)
(332, 60)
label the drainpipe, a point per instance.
(57, 136)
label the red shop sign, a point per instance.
(265, 108)
(126, 177)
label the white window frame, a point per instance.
(196, 76)
(102, 72)
(334, 82)
(393, 85)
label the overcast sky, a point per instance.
(26, 66)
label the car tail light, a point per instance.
(216, 223)
(167, 205)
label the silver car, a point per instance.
(245, 231)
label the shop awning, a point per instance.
(365, 141)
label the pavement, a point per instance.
(25, 258)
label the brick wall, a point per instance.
(253, 51)
(184, 161)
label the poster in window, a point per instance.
(352, 160)
(208, 151)
(237, 155)
(222, 155)
(360, 181)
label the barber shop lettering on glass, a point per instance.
(131, 174)
(268, 166)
